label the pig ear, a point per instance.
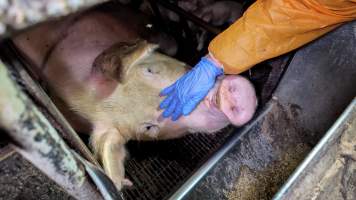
(109, 67)
(116, 60)
(138, 51)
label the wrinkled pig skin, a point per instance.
(99, 69)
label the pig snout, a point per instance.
(232, 100)
(236, 98)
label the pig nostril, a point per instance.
(232, 89)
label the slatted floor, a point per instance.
(158, 168)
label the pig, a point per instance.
(221, 12)
(216, 13)
(105, 77)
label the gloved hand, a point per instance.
(187, 92)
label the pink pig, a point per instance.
(104, 77)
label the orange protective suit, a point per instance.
(270, 28)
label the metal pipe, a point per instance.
(22, 15)
(156, 11)
(12, 56)
(207, 166)
(38, 141)
(328, 138)
(105, 185)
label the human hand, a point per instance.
(185, 94)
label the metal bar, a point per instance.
(38, 141)
(214, 159)
(104, 183)
(189, 16)
(6, 152)
(328, 138)
(12, 56)
(20, 14)
(156, 11)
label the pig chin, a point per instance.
(201, 120)
(207, 117)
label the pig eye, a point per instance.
(149, 129)
(151, 70)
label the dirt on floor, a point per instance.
(263, 185)
(291, 145)
(20, 180)
(333, 174)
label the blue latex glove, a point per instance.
(185, 94)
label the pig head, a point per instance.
(100, 69)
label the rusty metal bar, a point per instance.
(38, 141)
(12, 56)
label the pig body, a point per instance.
(221, 12)
(216, 13)
(101, 71)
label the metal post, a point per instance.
(38, 141)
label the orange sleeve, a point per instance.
(270, 28)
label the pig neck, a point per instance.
(99, 112)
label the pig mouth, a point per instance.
(234, 97)
(213, 102)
